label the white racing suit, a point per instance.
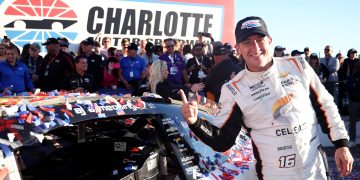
(280, 108)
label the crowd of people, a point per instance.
(163, 69)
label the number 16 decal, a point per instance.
(287, 161)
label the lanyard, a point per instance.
(172, 59)
(197, 61)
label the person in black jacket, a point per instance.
(32, 62)
(224, 68)
(198, 67)
(55, 66)
(95, 61)
(160, 85)
(353, 87)
(80, 80)
(345, 71)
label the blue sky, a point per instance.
(296, 24)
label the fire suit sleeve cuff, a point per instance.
(196, 124)
(341, 143)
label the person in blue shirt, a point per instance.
(132, 70)
(14, 76)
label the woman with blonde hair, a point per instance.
(160, 85)
(14, 76)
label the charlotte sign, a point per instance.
(27, 21)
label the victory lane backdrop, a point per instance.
(28, 21)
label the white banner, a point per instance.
(27, 21)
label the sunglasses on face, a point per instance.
(327, 49)
(171, 46)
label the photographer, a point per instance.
(199, 66)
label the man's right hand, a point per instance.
(189, 109)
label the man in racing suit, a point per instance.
(279, 101)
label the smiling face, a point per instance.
(255, 51)
(106, 42)
(81, 65)
(11, 55)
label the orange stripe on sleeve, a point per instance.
(296, 63)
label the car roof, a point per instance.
(21, 122)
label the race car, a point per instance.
(104, 137)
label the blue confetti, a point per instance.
(31, 107)
(7, 151)
(21, 121)
(36, 121)
(102, 103)
(101, 116)
(67, 119)
(23, 108)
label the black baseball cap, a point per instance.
(352, 50)
(280, 48)
(88, 41)
(219, 49)
(149, 47)
(249, 26)
(132, 46)
(296, 52)
(63, 42)
(50, 41)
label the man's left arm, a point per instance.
(330, 120)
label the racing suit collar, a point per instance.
(263, 74)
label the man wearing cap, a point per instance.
(33, 62)
(55, 66)
(149, 55)
(353, 88)
(279, 51)
(199, 66)
(296, 53)
(95, 63)
(279, 101)
(221, 73)
(132, 70)
(64, 44)
(349, 62)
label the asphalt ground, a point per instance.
(355, 151)
(334, 174)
